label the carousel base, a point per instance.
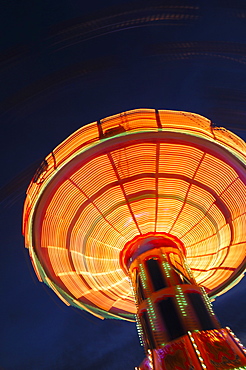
(216, 349)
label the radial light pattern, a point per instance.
(136, 172)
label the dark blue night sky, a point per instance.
(68, 63)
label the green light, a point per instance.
(166, 268)
(207, 301)
(151, 313)
(181, 300)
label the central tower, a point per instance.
(175, 320)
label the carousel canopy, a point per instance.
(138, 172)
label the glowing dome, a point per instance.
(138, 172)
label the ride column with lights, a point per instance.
(175, 320)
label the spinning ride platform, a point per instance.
(152, 199)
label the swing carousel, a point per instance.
(141, 216)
